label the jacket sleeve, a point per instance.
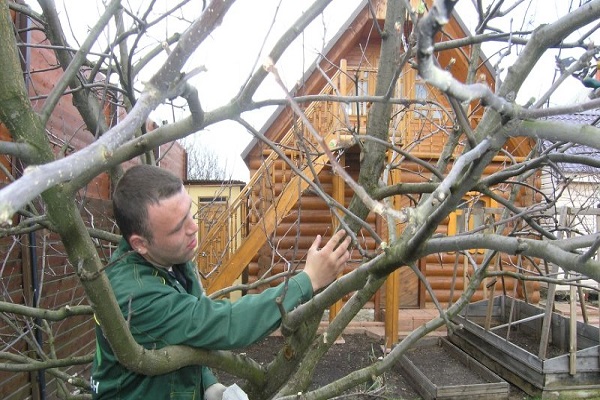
(160, 315)
(208, 378)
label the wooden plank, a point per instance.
(488, 314)
(274, 209)
(547, 322)
(504, 347)
(587, 361)
(339, 195)
(392, 306)
(418, 379)
(492, 387)
(572, 332)
(527, 379)
(587, 335)
(581, 297)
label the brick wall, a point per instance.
(47, 267)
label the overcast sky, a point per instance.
(231, 54)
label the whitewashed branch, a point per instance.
(168, 82)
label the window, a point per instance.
(361, 89)
(426, 110)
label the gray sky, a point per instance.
(230, 139)
(232, 53)
(242, 42)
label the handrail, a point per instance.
(260, 195)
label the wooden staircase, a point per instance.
(236, 235)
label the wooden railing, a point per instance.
(275, 188)
(269, 195)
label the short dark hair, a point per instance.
(141, 186)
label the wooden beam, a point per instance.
(490, 305)
(392, 306)
(572, 331)
(547, 323)
(339, 195)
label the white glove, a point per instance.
(214, 392)
(234, 392)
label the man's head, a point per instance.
(153, 212)
(141, 186)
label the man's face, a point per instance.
(174, 231)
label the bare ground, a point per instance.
(359, 350)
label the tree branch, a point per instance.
(24, 364)
(49, 315)
(559, 252)
(99, 155)
(23, 151)
(78, 59)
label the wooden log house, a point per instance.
(282, 213)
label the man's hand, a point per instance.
(323, 266)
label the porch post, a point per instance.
(392, 307)
(339, 195)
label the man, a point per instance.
(155, 281)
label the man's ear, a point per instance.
(138, 243)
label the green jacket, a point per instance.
(161, 312)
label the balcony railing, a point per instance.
(271, 192)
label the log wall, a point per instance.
(447, 273)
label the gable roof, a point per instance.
(348, 26)
(337, 47)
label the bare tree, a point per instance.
(203, 163)
(43, 190)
